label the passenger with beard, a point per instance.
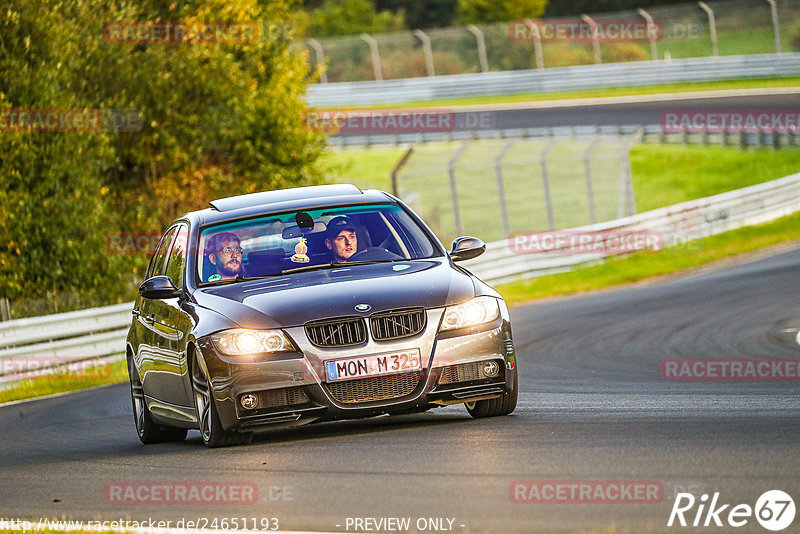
(226, 256)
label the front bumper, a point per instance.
(292, 388)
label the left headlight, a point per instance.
(241, 341)
(476, 311)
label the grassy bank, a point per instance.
(65, 381)
(647, 265)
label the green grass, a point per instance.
(63, 382)
(754, 83)
(662, 174)
(643, 265)
(668, 174)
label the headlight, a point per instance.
(476, 311)
(240, 341)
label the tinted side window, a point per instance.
(157, 265)
(177, 258)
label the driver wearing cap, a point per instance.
(340, 238)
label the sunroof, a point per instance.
(283, 195)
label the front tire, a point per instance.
(502, 405)
(211, 430)
(148, 430)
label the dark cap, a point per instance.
(337, 224)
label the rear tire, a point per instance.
(502, 405)
(148, 430)
(211, 430)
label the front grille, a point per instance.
(337, 332)
(275, 398)
(374, 388)
(464, 372)
(397, 324)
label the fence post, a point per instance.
(651, 31)
(595, 38)
(396, 169)
(587, 172)
(773, 7)
(5, 310)
(376, 57)
(627, 200)
(501, 190)
(451, 171)
(537, 42)
(546, 183)
(319, 53)
(427, 50)
(474, 30)
(712, 25)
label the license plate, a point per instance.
(379, 364)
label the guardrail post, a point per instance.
(319, 54)
(376, 57)
(427, 50)
(595, 38)
(651, 32)
(587, 172)
(712, 26)
(773, 7)
(501, 190)
(551, 223)
(451, 171)
(537, 42)
(396, 169)
(474, 30)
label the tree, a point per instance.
(351, 17)
(218, 119)
(488, 11)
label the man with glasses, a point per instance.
(225, 253)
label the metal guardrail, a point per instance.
(651, 133)
(33, 345)
(677, 224)
(554, 79)
(99, 333)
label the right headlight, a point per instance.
(242, 341)
(474, 312)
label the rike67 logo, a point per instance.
(774, 510)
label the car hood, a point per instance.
(294, 299)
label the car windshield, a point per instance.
(310, 239)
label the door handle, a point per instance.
(136, 313)
(150, 319)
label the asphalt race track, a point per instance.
(593, 406)
(626, 111)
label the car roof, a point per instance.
(297, 198)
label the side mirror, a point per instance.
(159, 287)
(466, 248)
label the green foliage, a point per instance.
(352, 17)
(218, 120)
(486, 11)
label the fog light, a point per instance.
(490, 369)
(249, 401)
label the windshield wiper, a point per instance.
(334, 264)
(237, 279)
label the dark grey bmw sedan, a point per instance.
(311, 304)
